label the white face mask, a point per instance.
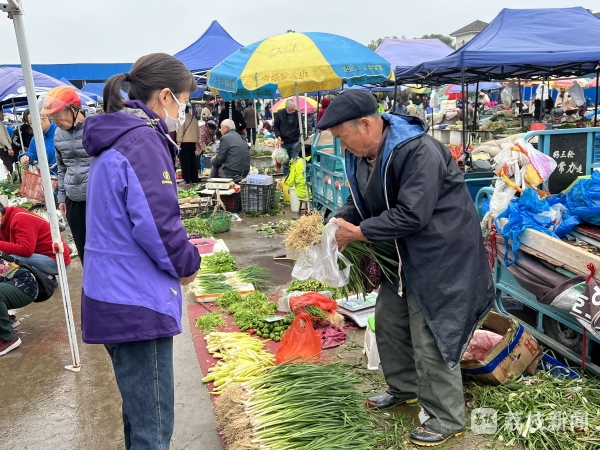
(174, 124)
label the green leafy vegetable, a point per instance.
(210, 322)
(199, 226)
(218, 262)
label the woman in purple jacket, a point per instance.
(137, 252)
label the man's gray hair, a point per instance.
(229, 124)
(289, 102)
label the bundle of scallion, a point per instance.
(364, 256)
(298, 406)
(212, 284)
(242, 357)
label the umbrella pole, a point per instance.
(255, 123)
(318, 104)
(596, 110)
(432, 129)
(395, 94)
(521, 106)
(465, 117)
(303, 149)
(14, 11)
(306, 114)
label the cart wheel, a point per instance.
(40, 210)
(563, 334)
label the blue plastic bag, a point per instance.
(531, 212)
(583, 199)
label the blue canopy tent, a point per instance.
(518, 43)
(96, 89)
(210, 49)
(406, 53)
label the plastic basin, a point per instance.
(204, 245)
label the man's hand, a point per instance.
(187, 280)
(347, 233)
(25, 160)
(62, 207)
(11, 152)
(279, 141)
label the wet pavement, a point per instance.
(48, 407)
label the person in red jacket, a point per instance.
(27, 235)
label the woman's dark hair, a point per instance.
(149, 74)
(25, 116)
(212, 126)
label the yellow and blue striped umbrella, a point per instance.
(312, 61)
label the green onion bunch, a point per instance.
(311, 407)
(356, 252)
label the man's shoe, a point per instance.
(387, 400)
(7, 346)
(14, 322)
(425, 436)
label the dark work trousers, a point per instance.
(11, 297)
(412, 362)
(76, 219)
(189, 163)
(7, 160)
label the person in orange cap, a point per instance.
(62, 105)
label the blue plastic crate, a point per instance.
(263, 180)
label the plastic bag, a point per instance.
(480, 344)
(531, 212)
(583, 199)
(284, 300)
(281, 156)
(321, 261)
(300, 340)
(298, 303)
(506, 96)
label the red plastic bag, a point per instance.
(327, 304)
(481, 343)
(300, 340)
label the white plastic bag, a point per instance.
(506, 96)
(321, 261)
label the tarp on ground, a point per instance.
(520, 43)
(406, 53)
(210, 49)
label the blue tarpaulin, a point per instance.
(97, 89)
(521, 43)
(406, 53)
(209, 50)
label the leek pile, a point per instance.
(298, 406)
(242, 357)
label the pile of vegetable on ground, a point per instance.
(198, 228)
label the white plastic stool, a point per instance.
(370, 347)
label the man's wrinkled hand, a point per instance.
(347, 233)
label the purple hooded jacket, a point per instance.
(136, 247)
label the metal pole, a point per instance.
(521, 106)
(255, 123)
(596, 110)
(18, 128)
(465, 117)
(318, 105)
(432, 125)
(395, 94)
(15, 11)
(476, 113)
(306, 113)
(303, 149)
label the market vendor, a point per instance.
(405, 187)
(233, 158)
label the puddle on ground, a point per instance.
(415, 412)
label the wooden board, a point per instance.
(588, 230)
(557, 252)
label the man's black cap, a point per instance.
(349, 105)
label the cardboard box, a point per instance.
(517, 352)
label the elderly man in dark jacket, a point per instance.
(406, 188)
(233, 158)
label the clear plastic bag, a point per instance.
(282, 156)
(321, 261)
